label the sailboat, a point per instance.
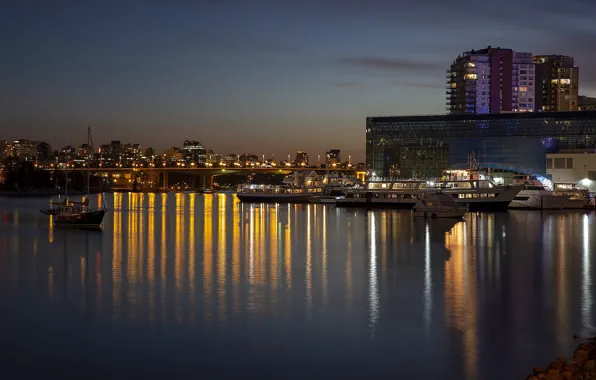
(77, 213)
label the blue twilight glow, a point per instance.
(258, 71)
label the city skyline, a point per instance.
(269, 73)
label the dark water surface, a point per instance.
(186, 285)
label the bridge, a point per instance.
(159, 178)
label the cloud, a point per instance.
(388, 64)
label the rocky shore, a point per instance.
(582, 366)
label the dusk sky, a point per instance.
(261, 76)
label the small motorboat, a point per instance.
(435, 204)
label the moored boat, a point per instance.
(534, 196)
(76, 213)
(436, 204)
(477, 192)
(73, 216)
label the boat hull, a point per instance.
(273, 198)
(539, 202)
(91, 219)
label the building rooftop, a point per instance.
(571, 115)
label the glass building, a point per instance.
(424, 146)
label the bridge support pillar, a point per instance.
(164, 185)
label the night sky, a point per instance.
(260, 76)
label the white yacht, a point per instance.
(477, 191)
(535, 196)
(436, 204)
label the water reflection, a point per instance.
(516, 285)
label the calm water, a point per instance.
(200, 285)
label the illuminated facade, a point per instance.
(301, 158)
(195, 151)
(491, 81)
(424, 146)
(332, 157)
(557, 80)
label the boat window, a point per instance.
(401, 185)
(378, 185)
(534, 188)
(521, 198)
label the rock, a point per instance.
(580, 355)
(589, 366)
(566, 375)
(571, 367)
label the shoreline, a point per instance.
(582, 364)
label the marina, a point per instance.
(476, 190)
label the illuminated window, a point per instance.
(453, 85)
(523, 89)
(565, 81)
(470, 76)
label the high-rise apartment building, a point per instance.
(491, 81)
(557, 82)
(333, 156)
(301, 158)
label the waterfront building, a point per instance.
(557, 82)
(301, 158)
(573, 168)
(424, 146)
(586, 103)
(333, 156)
(491, 81)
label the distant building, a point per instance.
(586, 103)
(115, 148)
(248, 158)
(491, 81)
(24, 149)
(149, 152)
(212, 157)
(557, 82)
(230, 159)
(301, 158)
(3, 149)
(194, 151)
(44, 152)
(332, 157)
(174, 154)
(68, 152)
(85, 151)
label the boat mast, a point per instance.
(89, 143)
